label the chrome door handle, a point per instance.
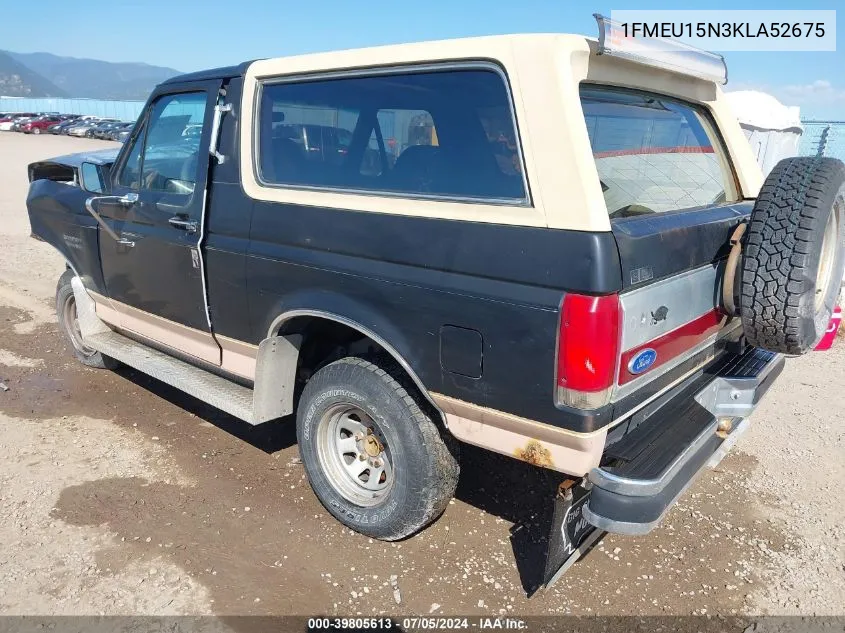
(189, 226)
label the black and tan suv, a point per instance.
(548, 246)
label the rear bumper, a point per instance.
(659, 459)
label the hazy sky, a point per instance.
(191, 34)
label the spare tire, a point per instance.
(793, 258)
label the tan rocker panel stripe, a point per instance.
(527, 440)
(238, 357)
(180, 337)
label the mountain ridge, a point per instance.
(18, 80)
(89, 78)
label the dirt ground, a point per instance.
(119, 495)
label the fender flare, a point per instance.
(277, 324)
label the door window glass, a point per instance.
(171, 148)
(654, 153)
(165, 156)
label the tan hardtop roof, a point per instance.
(465, 48)
(544, 72)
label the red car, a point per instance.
(39, 125)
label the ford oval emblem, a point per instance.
(642, 361)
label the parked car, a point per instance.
(115, 132)
(58, 128)
(68, 120)
(39, 125)
(101, 129)
(20, 121)
(75, 124)
(82, 128)
(7, 123)
(573, 306)
(192, 130)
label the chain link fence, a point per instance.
(823, 138)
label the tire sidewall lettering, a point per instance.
(352, 513)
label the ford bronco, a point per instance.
(554, 247)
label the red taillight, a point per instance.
(588, 350)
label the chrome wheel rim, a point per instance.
(828, 253)
(71, 323)
(354, 455)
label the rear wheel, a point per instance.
(374, 458)
(69, 325)
(794, 258)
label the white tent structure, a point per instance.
(773, 129)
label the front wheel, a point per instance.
(69, 325)
(37, 130)
(374, 458)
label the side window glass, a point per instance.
(400, 129)
(304, 140)
(171, 147)
(438, 133)
(500, 134)
(372, 162)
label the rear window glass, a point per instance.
(653, 153)
(446, 133)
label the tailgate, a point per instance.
(673, 201)
(663, 245)
(672, 270)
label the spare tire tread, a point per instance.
(790, 208)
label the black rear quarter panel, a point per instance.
(406, 277)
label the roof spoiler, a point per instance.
(659, 52)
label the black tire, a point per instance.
(424, 469)
(66, 312)
(791, 274)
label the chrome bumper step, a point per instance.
(658, 460)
